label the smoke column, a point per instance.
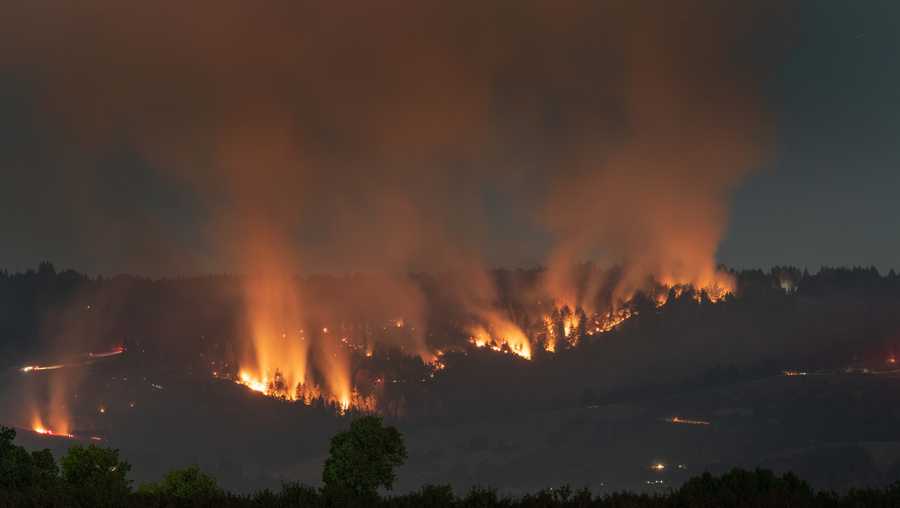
(656, 202)
(364, 136)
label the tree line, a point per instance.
(359, 471)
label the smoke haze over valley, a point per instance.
(527, 235)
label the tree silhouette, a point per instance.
(31, 475)
(187, 483)
(363, 458)
(96, 476)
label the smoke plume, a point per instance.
(381, 136)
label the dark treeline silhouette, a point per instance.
(97, 477)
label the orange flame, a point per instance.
(38, 368)
(105, 354)
(62, 428)
(550, 340)
(277, 363)
(507, 337)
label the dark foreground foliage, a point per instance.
(96, 477)
(736, 489)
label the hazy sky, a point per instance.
(830, 197)
(826, 195)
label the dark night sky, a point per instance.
(827, 196)
(830, 196)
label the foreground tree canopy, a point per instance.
(363, 458)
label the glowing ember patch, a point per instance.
(509, 339)
(38, 368)
(659, 466)
(40, 429)
(570, 324)
(257, 385)
(438, 364)
(344, 404)
(612, 320)
(684, 421)
(113, 352)
(792, 373)
(715, 289)
(305, 393)
(661, 299)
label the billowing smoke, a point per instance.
(381, 136)
(655, 201)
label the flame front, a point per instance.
(501, 335)
(279, 344)
(564, 327)
(282, 345)
(59, 429)
(39, 368)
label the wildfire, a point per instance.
(106, 354)
(305, 393)
(80, 361)
(715, 289)
(550, 341)
(257, 385)
(570, 324)
(611, 320)
(716, 293)
(438, 362)
(38, 368)
(38, 427)
(508, 340)
(684, 421)
(564, 327)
